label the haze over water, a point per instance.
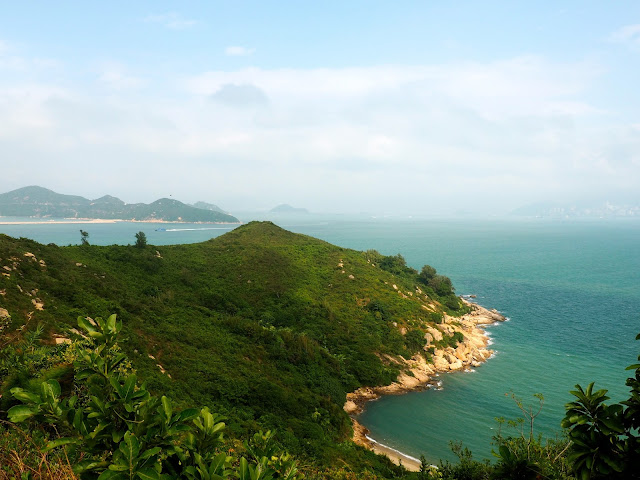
(570, 289)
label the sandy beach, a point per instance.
(79, 221)
(360, 436)
(470, 353)
(85, 221)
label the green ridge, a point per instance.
(40, 202)
(268, 327)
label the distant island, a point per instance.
(42, 203)
(209, 206)
(284, 208)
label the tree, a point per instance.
(141, 240)
(83, 237)
(426, 274)
(442, 285)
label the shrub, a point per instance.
(141, 240)
(114, 425)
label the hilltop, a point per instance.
(269, 327)
(39, 202)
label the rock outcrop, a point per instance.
(469, 353)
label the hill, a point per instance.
(208, 206)
(284, 208)
(271, 328)
(40, 202)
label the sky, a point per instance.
(403, 107)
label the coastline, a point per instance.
(84, 221)
(472, 352)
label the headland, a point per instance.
(469, 353)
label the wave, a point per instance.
(196, 229)
(387, 447)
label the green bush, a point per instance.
(605, 438)
(113, 428)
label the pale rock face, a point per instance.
(462, 354)
(435, 333)
(441, 363)
(350, 406)
(471, 352)
(457, 365)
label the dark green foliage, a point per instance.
(451, 341)
(141, 240)
(113, 427)
(466, 469)
(436, 317)
(270, 312)
(605, 438)
(396, 265)
(441, 285)
(426, 274)
(414, 340)
(526, 455)
(452, 302)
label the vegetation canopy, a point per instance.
(268, 328)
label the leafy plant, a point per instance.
(141, 240)
(605, 439)
(116, 430)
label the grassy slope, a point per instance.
(260, 323)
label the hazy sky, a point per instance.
(387, 107)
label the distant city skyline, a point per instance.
(384, 107)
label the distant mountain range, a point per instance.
(556, 210)
(40, 202)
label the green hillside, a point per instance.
(268, 327)
(40, 202)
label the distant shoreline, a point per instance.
(84, 221)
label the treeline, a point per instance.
(435, 285)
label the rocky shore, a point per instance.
(469, 353)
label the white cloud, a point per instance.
(235, 51)
(10, 60)
(345, 138)
(171, 20)
(629, 34)
(113, 76)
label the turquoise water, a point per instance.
(570, 289)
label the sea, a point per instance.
(569, 288)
